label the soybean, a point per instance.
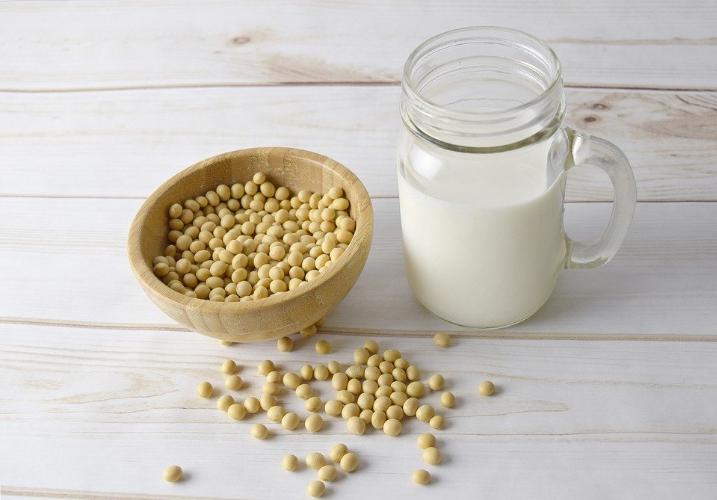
(421, 477)
(205, 389)
(173, 473)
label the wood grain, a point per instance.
(661, 285)
(109, 44)
(105, 411)
(52, 143)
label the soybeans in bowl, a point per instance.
(253, 244)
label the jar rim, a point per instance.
(447, 38)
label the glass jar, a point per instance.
(482, 163)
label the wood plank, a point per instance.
(104, 411)
(68, 264)
(101, 44)
(127, 143)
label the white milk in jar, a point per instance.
(482, 161)
(485, 251)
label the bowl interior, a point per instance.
(296, 169)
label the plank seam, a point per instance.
(386, 333)
(338, 83)
(51, 196)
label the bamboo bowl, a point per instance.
(276, 315)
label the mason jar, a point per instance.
(482, 162)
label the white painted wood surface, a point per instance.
(101, 44)
(661, 284)
(127, 143)
(606, 393)
(105, 409)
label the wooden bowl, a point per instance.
(276, 315)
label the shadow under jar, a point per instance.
(482, 162)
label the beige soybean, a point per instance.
(328, 473)
(410, 406)
(372, 373)
(307, 372)
(267, 401)
(426, 440)
(291, 380)
(355, 371)
(275, 413)
(349, 462)
(314, 422)
(431, 456)
(350, 409)
(356, 425)
(224, 402)
(259, 431)
(365, 400)
(448, 400)
(378, 419)
(386, 366)
(369, 386)
(265, 367)
(339, 381)
(361, 355)
(391, 355)
(354, 386)
(321, 372)
(290, 463)
(252, 405)
(304, 391)
(315, 460)
(229, 366)
(442, 339)
(384, 391)
(205, 389)
(382, 403)
(313, 404)
(271, 388)
(337, 452)
(333, 408)
(233, 382)
(173, 473)
(392, 427)
(416, 389)
(425, 413)
(275, 377)
(316, 488)
(236, 411)
(436, 382)
(437, 422)
(374, 360)
(486, 388)
(290, 421)
(366, 415)
(322, 347)
(285, 344)
(399, 398)
(395, 412)
(421, 476)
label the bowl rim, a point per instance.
(144, 273)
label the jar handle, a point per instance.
(588, 150)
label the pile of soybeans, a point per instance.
(248, 241)
(377, 390)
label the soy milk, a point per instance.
(483, 236)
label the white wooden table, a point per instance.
(609, 392)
